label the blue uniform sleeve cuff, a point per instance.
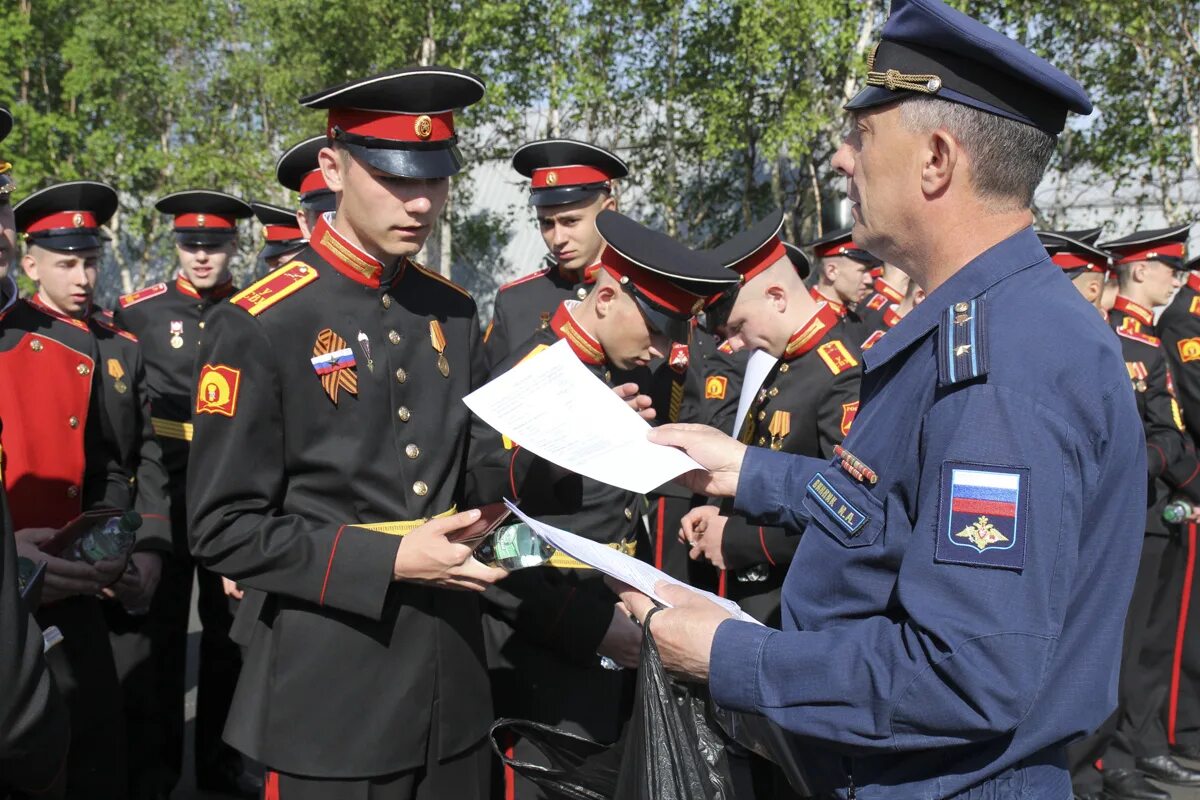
(733, 669)
(763, 480)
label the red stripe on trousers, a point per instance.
(1181, 631)
(659, 522)
(271, 786)
(510, 777)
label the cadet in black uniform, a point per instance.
(78, 437)
(1138, 745)
(330, 432)
(890, 285)
(169, 319)
(843, 279)
(1075, 252)
(299, 170)
(33, 720)
(570, 183)
(1179, 327)
(282, 236)
(552, 625)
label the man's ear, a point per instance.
(605, 298)
(332, 166)
(29, 265)
(941, 158)
(829, 271)
(609, 203)
(777, 297)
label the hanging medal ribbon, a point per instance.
(334, 363)
(438, 339)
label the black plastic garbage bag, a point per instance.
(670, 750)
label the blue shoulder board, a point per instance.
(962, 343)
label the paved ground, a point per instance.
(187, 788)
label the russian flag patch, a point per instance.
(983, 516)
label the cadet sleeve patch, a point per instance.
(849, 412)
(679, 357)
(1189, 349)
(142, 294)
(283, 282)
(983, 515)
(715, 387)
(217, 390)
(836, 357)
(726, 347)
(870, 341)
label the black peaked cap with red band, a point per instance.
(280, 229)
(1075, 251)
(670, 281)
(298, 170)
(753, 250)
(402, 121)
(1168, 245)
(66, 216)
(840, 243)
(565, 171)
(203, 216)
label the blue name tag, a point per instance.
(846, 513)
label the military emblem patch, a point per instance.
(983, 515)
(1189, 349)
(715, 387)
(217, 391)
(849, 411)
(870, 341)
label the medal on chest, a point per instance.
(437, 337)
(177, 333)
(117, 373)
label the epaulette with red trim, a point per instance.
(877, 302)
(440, 278)
(104, 319)
(283, 282)
(837, 357)
(1138, 336)
(524, 279)
(870, 341)
(142, 294)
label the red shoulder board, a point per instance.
(142, 294)
(287, 280)
(870, 341)
(524, 279)
(836, 357)
(437, 276)
(1132, 329)
(104, 320)
(877, 302)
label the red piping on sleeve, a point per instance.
(329, 566)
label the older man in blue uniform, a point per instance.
(954, 609)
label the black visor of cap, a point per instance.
(204, 237)
(320, 201)
(277, 249)
(67, 240)
(562, 195)
(668, 323)
(413, 160)
(716, 314)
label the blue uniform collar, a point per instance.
(1018, 252)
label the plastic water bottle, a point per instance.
(514, 547)
(1177, 511)
(112, 539)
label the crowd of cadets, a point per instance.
(318, 444)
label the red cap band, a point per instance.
(313, 182)
(559, 177)
(64, 219)
(760, 259)
(206, 220)
(282, 233)
(1169, 249)
(1070, 261)
(835, 249)
(658, 289)
(392, 126)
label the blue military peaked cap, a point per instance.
(928, 48)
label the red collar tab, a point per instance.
(392, 126)
(589, 273)
(205, 220)
(218, 292)
(890, 317)
(1138, 312)
(754, 264)
(1193, 282)
(185, 287)
(1144, 253)
(60, 220)
(888, 291)
(811, 333)
(835, 249)
(659, 289)
(839, 308)
(571, 175)
(313, 182)
(582, 343)
(282, 233)
(1073, 261)
(343, 256)
(877, 272)
(37, 303)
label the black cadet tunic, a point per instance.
(805, 406)
(525, 305)
(329, 398)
